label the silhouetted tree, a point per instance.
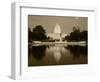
(67, 38)
(29, 35)
(76, 35)
(39, 33)
(84, 36)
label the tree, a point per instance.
(29, 35)
(84, 36)
(39, 33)
(76, 35)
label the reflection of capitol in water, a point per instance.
(57, 35)
(57, 55)
(57, 52)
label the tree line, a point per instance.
(39, 34)
(77, 35)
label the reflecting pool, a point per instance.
(44, 55)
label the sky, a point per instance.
(66, 23)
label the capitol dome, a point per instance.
(57, 29)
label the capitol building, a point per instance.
(57, 35)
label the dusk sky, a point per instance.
(66, 22)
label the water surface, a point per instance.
(43, 55)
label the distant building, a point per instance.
(57, 35)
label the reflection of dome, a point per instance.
(57, 29)
(57, 53)
(57, 56)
